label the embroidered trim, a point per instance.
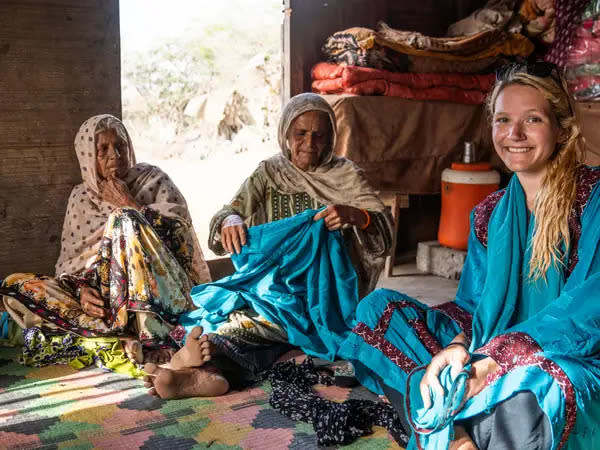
(587, 177)
(288, 205)
(483, 212)
(376, 337)
(378, 342)
(426, 338)
(518, 349)
(462, 318)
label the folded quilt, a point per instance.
(408, 51)
(461, 88)
(351, 75)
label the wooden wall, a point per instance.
(308, 23)
(430, 17)
(59, 65)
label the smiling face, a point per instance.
(112, 155)
(524, 129)
(309, 138)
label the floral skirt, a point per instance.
(143, 286)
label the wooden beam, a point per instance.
(59, 65)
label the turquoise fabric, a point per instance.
(4, 324)
(433, 421)
(562, 316)
(295, 273)
(507, 294)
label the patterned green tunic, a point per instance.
(258, 201)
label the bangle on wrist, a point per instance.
(368, 222)
(462, 344)
(232, 220)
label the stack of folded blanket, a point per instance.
(409, 51)
(411, 65)
(539, 20)
(456, 87)
(583, 58)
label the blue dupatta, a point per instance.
(295, 273)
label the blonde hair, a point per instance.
(554, 200)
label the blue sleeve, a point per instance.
(474, 272)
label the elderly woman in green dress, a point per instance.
(305, 175)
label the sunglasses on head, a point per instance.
(540, 69)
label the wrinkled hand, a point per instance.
(91, 302)
(478, 375)
(116, 192)
(233, 237)
(336, 216)
(455, 356)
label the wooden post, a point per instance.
(59, 65)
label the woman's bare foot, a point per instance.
(159, 356)
(192, 382)
(196, 352)
(133, 349)
(462, 440)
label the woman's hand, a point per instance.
(478, 376)
(233, 233)
(91, 302)
(453, 355)
(115, 191)
(336, 216)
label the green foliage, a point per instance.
(168, 76)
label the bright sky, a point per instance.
(144, 23)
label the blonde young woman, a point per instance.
(513, 361)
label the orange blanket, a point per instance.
(461, 88)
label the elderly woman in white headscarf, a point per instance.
(129, 255)
(307, 175)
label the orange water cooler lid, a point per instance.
(471, 167)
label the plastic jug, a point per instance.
(464, 185)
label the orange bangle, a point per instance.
(366, 225)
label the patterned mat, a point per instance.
(58, 407)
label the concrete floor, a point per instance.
(429, 289)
